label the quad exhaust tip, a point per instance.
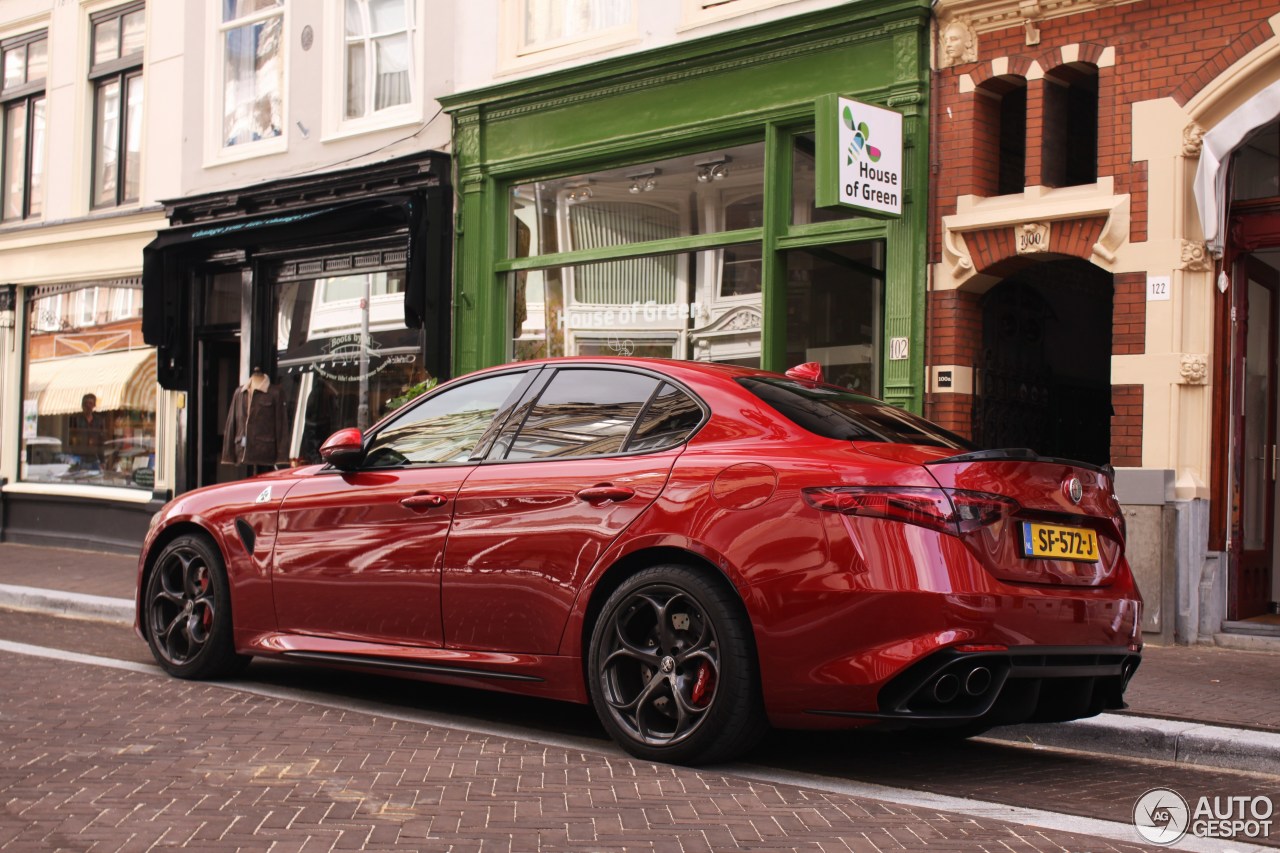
(948, 686)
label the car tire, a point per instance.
(672, 668)
(187, 611)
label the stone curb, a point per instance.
(1175, 741)
(74, 604)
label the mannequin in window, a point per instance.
(257, 432)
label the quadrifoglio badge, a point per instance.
(1163, 816)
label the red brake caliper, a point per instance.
(206, 619)
(703, 685)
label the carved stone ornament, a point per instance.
(1194, 369)
(1031, 237)
(1196, 257)
(1192, 140)
(959, 44)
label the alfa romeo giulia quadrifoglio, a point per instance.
(700, 551)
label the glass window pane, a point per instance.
(133, 140)
(15, 66)
(37, 60)
(547, 22)
(678, 197)
(135, 32)
(233, 9)
(670, 418)
(1255, 165)
(356, 80)
(106, 40)
(393, 72)
(252, 107)
(107, 143)
(834, 308)
(355, 19)
(583, 413)
(35, 186)
(803, 210)
(444, 428)
(388, 16)
(666, 305)
(836, 413)
(88, 420)
(15, 150)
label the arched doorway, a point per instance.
(1044, 373)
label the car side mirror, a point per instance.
(344, 449)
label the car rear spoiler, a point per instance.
(1022, 454)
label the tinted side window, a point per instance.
(668, 420)
(837, 413)
(583, 413)
(444, 428)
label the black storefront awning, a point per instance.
(167, 317)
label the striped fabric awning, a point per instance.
(125, 379)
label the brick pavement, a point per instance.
(99, 759)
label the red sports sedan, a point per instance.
(698, 550)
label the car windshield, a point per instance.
(837, 413)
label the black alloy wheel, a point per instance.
(188, 611)
(672, 668)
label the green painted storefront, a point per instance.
(664, 201)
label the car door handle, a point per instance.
(605, 492)
(424, 501)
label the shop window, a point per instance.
(625, 275)
(835, 297)
(677, 197)
(116, 76)
(669, 308)
(251, 47)
(89, 389)
(803, 180)
(1255, 165)
(664, 304)
(22, 143)
(1070, 141)
(1000, 131)
(344, 357)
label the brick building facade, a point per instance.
(1075, 304)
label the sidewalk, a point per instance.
(1193, 704)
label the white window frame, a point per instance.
(216, 151)
(334, 121)
(87, 307)
(697, 13)
(122, 303)
(51, 320)
(515, 55)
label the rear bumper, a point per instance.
(1019, 685)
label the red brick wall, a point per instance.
(1170, 48)
(1126, 426)
(1129, 314)
(1163, 49)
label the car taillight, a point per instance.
(952, 511)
